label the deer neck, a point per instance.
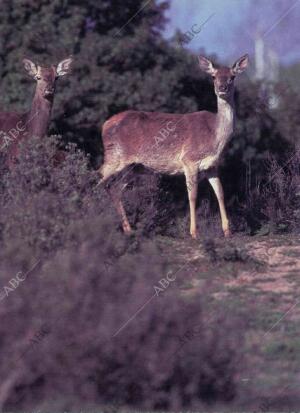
(225, 119)
(38, 118)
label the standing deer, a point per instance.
(197, 145)
(16, 126)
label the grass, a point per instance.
(240, 279)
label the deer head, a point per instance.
(223, 77)
(46, 76)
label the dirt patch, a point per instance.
(280, 262)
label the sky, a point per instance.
(233, 25)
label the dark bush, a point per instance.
(39, 201)
(275, 201)
(60, 337)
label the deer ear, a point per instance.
(206, 65)
(30, 67)
(240, 65)
(64, 67)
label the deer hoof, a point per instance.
(194, 235)
(227, 233)
(127, 229)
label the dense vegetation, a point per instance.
(71, 283)
(121, 64)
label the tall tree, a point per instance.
(120, 59)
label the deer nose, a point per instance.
(223, 88)
(49, 91)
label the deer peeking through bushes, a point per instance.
(196, 143)
(16, 126)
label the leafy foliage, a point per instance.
(118, 64)
(122, 63)
(72, 283)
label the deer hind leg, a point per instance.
(115, 193)
(191, 176)
(117, 201)
(218, 190)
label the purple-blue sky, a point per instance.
(230, 31)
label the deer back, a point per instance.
(160, 140)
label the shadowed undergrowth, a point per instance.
(73, 285)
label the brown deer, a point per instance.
(175, 144)
(16, 126)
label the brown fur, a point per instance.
(15, 127)
(134, 137)
(175, 144)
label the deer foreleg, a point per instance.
(218, 190)
(191, 176)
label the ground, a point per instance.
(260, 275)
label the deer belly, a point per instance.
(164, 166)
